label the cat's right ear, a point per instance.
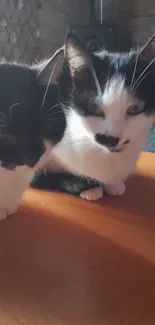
(49, 71)
(80, 65)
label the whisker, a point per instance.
(142, 73)
(134, 71)
(145, 75)
(47, 116)
(84, 141)
(48, 84)
(59, 145)
(136, 62)
(46, 113)
(64, 101)
(2, 125)
(3, 115)
(54, 119)
(54, 113)
(12, 106)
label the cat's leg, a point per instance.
(8, 205)
(12, 187)
(72, 184)
(84, 187)
(115, 189)
(96, 193)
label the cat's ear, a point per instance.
(147, 52)
(49, 70)
(80, 65)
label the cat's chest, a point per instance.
(82, 156)
(79, 153)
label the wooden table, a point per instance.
(64, 261)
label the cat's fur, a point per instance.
(31, 123)
(109, 103)
(77, 129)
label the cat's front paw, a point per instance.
(115, 189)
(7, 211)
(92, 194)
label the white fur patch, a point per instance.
(115, 91)
(115, 189)
(114, 103)
(15, 182)
(12, 186)
(81, 154)
(92, 194)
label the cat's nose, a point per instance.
(107, 140)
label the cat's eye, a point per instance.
(135, 109)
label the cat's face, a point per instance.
(111, 96)
(30, 114)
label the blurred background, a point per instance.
(32, 29)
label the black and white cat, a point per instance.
(31, 123)
(109, 103)
(86, 129)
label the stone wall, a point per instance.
(56, 16)
(139, 16)
(30, 29)
(143, 20)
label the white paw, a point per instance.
(115, 189)
(5, 212)
(93, 194)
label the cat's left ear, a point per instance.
(147, 52)
(80, 65)
(49, 70)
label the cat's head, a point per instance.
(30, 114)
(110, 97)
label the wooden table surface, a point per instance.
(65, 261)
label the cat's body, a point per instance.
(109, 104)
(86, 130)
(29, 128)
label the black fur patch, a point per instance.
(25, 118)
(67, 183)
